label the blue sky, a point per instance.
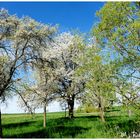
(68, 15)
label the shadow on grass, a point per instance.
(36, 134)
(65, 120)
(112, 110)
(129, 127)
(115, 118)
(69, 131)
(71, 128)
(88, 117)
(20, 124)
(56, 128)
(126, 126)
(52, 132)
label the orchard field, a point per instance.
(83, 125)
(84, 53)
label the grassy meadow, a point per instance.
(83, 125)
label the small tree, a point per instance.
(99, 75)
(42, 93)
(64, 106)
(26, 98)
(128, 90)
(35, 97)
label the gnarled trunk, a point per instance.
(44, 120)
(0, 124)
(71, 106)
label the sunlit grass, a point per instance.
(84, 125)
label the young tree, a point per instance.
(34, 97)
(99, 75)
(64, 106)
(44, 90)
(21, 42)
(26, 97)
(47, 84)
(128, 90)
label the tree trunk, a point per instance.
(71, 107)
(129, 113)
(101, 108)
(44, 122)
(102, 114)
(65, 111)
(33, 114)
(0, 124)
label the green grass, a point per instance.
(84, 125)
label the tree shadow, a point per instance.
(20, 124)
(112, 110)
(66, 120)
(129, 127)
(69, 131)
(112, 118)
(56, 128)
(126, 126)
(52, 132)
(36, 134)
(88, 117)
